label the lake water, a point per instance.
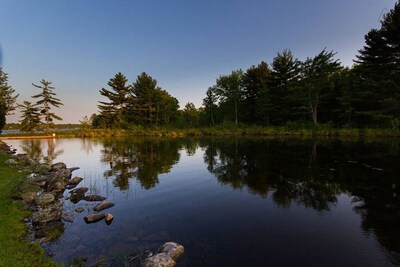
(234, 201)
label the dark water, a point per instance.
(234, 202)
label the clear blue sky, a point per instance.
(184, 44)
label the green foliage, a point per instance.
(46, 100)
(30, 117)
(7, 98)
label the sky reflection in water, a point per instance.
(236, 202)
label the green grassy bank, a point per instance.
(220, 130)
(16, 250)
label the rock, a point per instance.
(75, 181)
(167, 255)
(79, 210)
(159, 260)
(42, 168)
(28, 197)
(58, 166)
(78, 194)
(79, 190)
(68, 217)
(174, 250)
(47, 215)
(11, 162)
(63, 174)
(94, 217)
(56, 186)
(94, 198)
(108, 218)
(103, 205)
(44, 199)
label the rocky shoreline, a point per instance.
(43, 192)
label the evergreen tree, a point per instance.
(119, 97)
(379, 71)
(145, 96)
(285, 75)
(46, 100)
(257, 101)
(30, 118)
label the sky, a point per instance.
(184, 44)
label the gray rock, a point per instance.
(103, 205)
(56, 186)
(79, 190)
(44, 199)
(94, 217)
(159, 260)
(58, 166)
(94, 198)
(167, 255)
(64, 174)
(44, 216)
(174, 250)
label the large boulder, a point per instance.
(103, 205)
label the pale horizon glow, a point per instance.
(184, 45)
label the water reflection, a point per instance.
(294, 172)
(143, 160)
(314, 173)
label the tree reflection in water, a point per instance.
(142, 159)
(313, 173)
(33, 148)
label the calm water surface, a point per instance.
(234, 202)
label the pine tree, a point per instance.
(46, 101)
(258, 106)
(120, 97)
(285, 75)
(210, 104)
(30, 116)
(378, 68)
(145, 97)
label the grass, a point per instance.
(16, 250)
(228, 129)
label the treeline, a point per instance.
(318, 90)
